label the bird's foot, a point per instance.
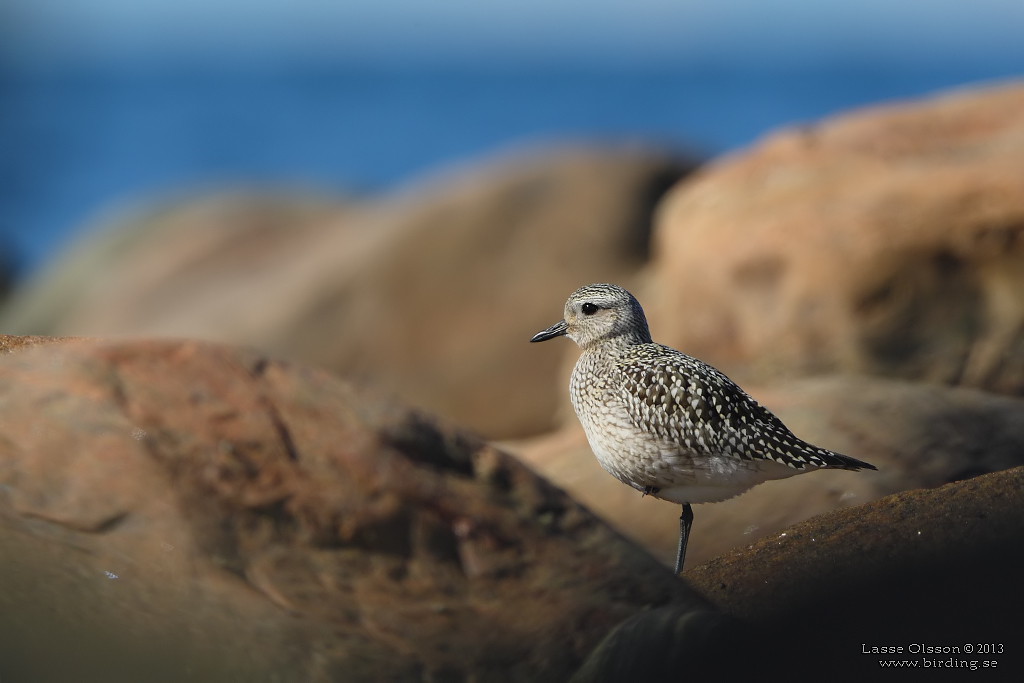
(649, 491)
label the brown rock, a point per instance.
(931, 576)
(11, 342)
(933, 569)
(918, 435)
(887, 241)
(431, 293)
(934, 531)
(175, 510)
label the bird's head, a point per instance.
(597, 313)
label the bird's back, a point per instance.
(685, 401)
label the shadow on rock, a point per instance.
(936, 573)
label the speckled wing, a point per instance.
(686, 402)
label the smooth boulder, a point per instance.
(885, 241)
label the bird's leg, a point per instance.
(685, 522)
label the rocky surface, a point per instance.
(181, 511)
(429, 293)
(672, 643)
(920, 569)
(918, 435)
(914, 537)
(11, 342)
(886, 241)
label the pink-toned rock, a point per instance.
(918, 435)
(429, 293)
(887, 241)
(182, 511)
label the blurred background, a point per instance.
(401, 193)
(105, 103)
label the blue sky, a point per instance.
(511, 32)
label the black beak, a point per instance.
(556, 330)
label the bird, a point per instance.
(668, 424)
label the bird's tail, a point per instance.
(838, 461)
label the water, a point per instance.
(75, 144)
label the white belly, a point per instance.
(718, 480)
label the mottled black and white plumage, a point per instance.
(668, 424)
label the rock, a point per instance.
(430, 293)
(184, 511)
(887, 241)
(11, 342)
(934, 573)
(933, 531)
(918, 435)
(670, 644)
(933, 568)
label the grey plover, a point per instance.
(668, 424)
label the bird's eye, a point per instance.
(589, 308)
